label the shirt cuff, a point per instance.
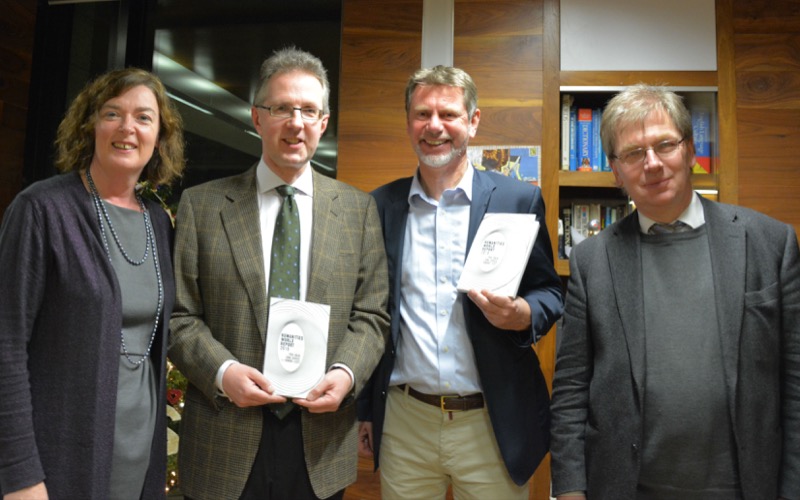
(349, 372)
(220, 373)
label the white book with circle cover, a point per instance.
(297, 345)
(499, 253)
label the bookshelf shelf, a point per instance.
(619, 79)
(567, 178)
(705, 181)
(586, 179)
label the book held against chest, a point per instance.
(296, 346)
(499, 253)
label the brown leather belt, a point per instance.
(447, 403)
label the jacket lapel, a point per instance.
(394, 221)
(624, 248)
(240, 218)
(325, 238)
(726, 242)
(482, 187)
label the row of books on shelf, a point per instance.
(579, 221)
(582, 149)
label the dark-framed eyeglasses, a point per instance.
(307, 113)
(635, 157)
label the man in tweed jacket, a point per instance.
(232, 446)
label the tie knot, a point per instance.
(673, 227)
(286, 190)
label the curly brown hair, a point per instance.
(75, 139)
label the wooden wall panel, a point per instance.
(782, 49)
(499, 43)
(769, 133)
(774, 90)
(766, 43)
(17, 28)
(769, 173)
(766, 16)
(381, 48)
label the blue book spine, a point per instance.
(597, 147)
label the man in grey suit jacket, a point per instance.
(678, 369)
(232, 445)
(459, 397)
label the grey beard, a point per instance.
(439, 161)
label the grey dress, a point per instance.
(136, 386)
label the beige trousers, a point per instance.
(423, 450)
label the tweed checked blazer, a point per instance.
(221, 314)
(599, 382)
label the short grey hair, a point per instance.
(634, 104)
(448, 76)
(291, 59)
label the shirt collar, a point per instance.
(693, 216)
(464, 185)
(267, 180)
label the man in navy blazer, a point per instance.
(458, 398)
(678, 367)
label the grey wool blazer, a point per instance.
(221, 313)
(600, 369)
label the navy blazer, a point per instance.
(600, 370)
(513, 385)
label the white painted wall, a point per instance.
(644, 35)
(437, 32)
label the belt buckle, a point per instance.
(442, 401)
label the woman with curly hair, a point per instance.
(87, 290)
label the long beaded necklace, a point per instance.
(102, 213)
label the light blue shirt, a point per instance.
(434, 353)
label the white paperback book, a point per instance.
(297, 345)
(499, 253)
